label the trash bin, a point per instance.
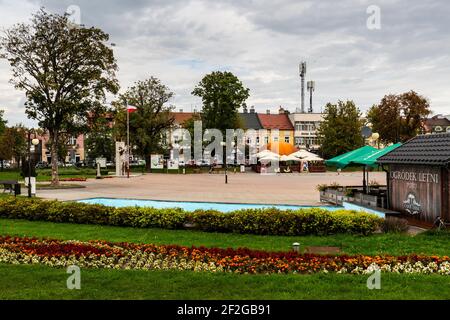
(17, 189)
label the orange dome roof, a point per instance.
(282, 148)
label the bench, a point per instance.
(10, 186)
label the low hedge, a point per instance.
(73, 172)
(270, 221)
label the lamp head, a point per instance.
(35, 142)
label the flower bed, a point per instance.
(270, 221)
(99, 254)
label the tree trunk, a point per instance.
(54, 154)
(148, 163)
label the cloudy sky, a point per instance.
(262, 42)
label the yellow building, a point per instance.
(279, 127)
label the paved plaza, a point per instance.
(295, 188)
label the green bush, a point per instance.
(269, 221)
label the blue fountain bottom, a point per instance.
(192, 206)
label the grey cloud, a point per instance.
(262, 42)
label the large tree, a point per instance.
(398, 118)
(152, 119)
(64, 70)
(222, 94)
(340, 131)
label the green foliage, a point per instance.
(64, 70)
(222, 94)
(100, 141)
(398, 118)
(13, 143)
(151, 120)
(270, 221)
(3, 122)
(340, 131)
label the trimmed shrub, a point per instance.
(269, 221)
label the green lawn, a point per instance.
(41, 282)
(430, 243)
(43, 175)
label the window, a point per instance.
(438, 129)
(309, 126)
(266, 140)
(286, 139)
(257, 140)
(275, 139)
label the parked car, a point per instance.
(42, 165)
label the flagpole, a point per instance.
(128, 142)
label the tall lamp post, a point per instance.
(224, 157)
(33, 142)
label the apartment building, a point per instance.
(306, 126)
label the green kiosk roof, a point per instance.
(371, 159)
(347, 158)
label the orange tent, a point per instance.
(282, 148)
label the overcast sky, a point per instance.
(262, 42)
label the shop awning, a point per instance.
(347, 158)
(371, 159)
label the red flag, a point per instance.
(131, 109)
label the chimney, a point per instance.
(181, 110)
(268, 111)
(281, 110)
(252, 109)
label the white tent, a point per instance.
(270, 157)
(306, 156)
(290, 158)
(266, 153)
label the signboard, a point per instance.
(416, 191)
(102, 162)
(157, 161)
(172, 164)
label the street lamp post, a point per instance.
(224, 157)
(33, 142)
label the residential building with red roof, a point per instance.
(279, 122)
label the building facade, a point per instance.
(306, 126)
(437, 124)
(75, 149)
(278, 127)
